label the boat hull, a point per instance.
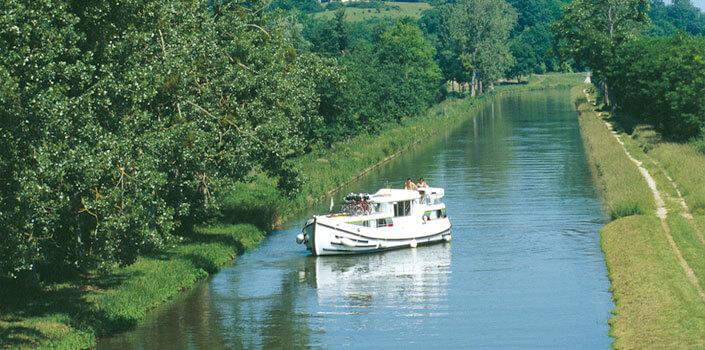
(325, 238)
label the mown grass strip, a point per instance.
(623, 189)
(655, 304)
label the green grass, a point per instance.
(392, 10)
(623, 189)
(655, 304)
(655, 307)
(71, 315)
(545, 81)
(686, 165)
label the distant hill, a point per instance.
(391, 9)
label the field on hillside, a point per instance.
(392, 10)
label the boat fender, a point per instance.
(346, 242)
(300, 238)
(447, 238)
(413, 244)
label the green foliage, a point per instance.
(388, 73)
(435, 24)
(472, 38)
(662, 80)
(302, 5)
(590, 31)
(71, 315)
(255, 202)
(532, 13)
(679, 15)
(530, 49)
(120, 121)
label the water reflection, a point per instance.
(526, 268)
(413, 279)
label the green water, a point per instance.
(524, 269)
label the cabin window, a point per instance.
(402, 208)
(387, 222)
(366, 223)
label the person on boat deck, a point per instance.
(409, 185)
(422, 183)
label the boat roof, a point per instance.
(394, 195)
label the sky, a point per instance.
(699, 3)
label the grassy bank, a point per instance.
(391, 10)
(624, 190)
(71, 314)
(656, 304)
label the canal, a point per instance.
(524, 268)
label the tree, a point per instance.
(412, 76)
(121, 122)
(435, 25)
(661, 80)
(480, 30)
(680, 15)
(532, 13)
(590, 31)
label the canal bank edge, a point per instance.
(653, 251)
(71, 315)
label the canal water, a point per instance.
(524, 269)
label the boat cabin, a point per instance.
(390, 206)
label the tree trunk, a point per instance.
(474, 81)
(606, 93)
(481, 91)
(492, 86)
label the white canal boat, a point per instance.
(388, 219)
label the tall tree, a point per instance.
(480, 29)
(590, 31)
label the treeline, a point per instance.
(513, 39)
(386, 71)
(123, 122)
(659, 79)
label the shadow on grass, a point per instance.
(30, 314)
(16, 336)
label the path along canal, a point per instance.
(524, 268)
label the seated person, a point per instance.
(422, 183)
